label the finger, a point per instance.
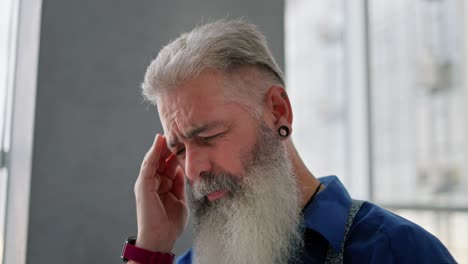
(170, 168)
(151, 160)
(178, 185)
(161, 166)
(152, 154)
(164, 155)
(167, 174)
(165, 151)
(165, 186)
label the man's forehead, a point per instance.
(194, 106)
(190, 113)
(185, 101)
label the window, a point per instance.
(315, 59)
(380, 100)
(420, 142)
(19, 46)
(7, 50)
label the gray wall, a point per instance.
(92, 127)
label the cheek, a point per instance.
(233, 156)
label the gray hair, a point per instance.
(231, 47)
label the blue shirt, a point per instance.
(376, 235)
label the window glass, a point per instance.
(315, 61)
(413, 118)
(419, 116)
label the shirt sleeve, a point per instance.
(413, 244)
(402, 244)
(379, 236)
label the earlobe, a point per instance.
(284, 131)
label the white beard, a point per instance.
(259, 221)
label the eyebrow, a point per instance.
(197, 131)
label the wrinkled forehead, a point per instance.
(191, 105)
(188, 101)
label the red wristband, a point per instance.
(143, 256)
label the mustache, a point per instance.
(211, 182)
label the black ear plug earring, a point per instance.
(283, 131)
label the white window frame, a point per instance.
(22, 131)
(360, 180)
(464, 17)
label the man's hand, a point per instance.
(160, 199)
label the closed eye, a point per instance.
(180, 151)
(210, 138)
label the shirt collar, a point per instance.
(328, 212)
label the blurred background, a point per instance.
(379, 91)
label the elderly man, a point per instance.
(227, 124)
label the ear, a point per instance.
(278, 111)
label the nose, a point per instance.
(196, 163)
